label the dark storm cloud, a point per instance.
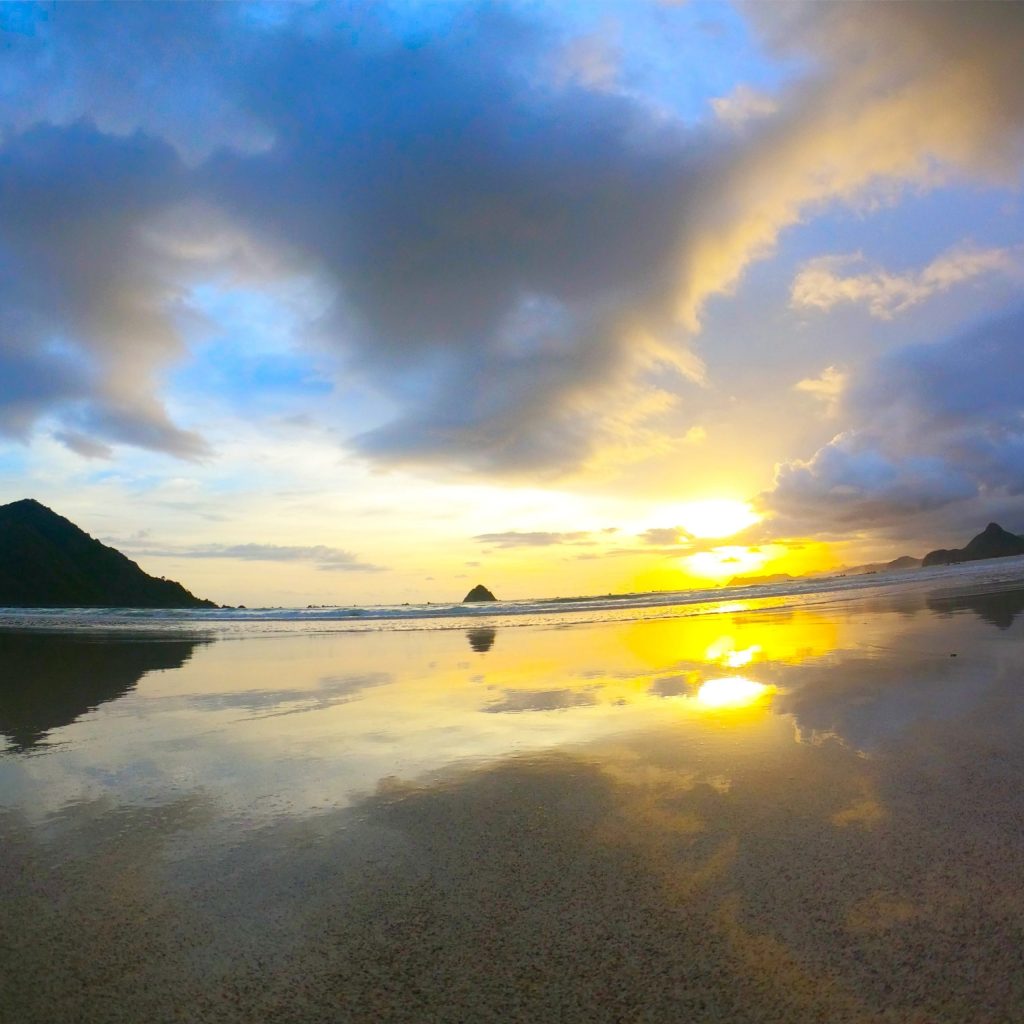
(935, 425)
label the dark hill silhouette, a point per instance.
(48, 562)
(758, 581)
(479, 593)
(903, 562)
(992, 542)
(49, 681)
(896, 565)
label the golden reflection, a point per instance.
(724, 650)
(732, 692)
(734, 641)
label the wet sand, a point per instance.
(814, 814)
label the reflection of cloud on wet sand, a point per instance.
(329, 692)
(619, 883)
(541, 700)
(872, 703)
(680, 865)
(670, 686)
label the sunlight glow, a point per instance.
(725, 562)
(718, 517)
(731, 692)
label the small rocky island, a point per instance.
(48, 562)
(479, 593)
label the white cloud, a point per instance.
(900, 95)
(743, 104)
(823, 282)
(827, 388)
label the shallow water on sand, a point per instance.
(761, 814)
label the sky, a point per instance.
(329, 303)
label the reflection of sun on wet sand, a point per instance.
(731, 692)
(751, 816)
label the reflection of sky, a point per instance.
(317, 811)
(298, 722)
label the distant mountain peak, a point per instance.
(992, 542)
(28, 503)
(48, 562)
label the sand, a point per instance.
(540, 824)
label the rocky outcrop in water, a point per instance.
(479, 593)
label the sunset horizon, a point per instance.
(511, 511)
(378, 300)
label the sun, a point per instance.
(722, 562)
(714, 517)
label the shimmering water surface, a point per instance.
(782, 809)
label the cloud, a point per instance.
(325, 558)
(84, 446)
(514, 257)
(498, 241)
(534, 539)
(821, 283)
(662, 535)
(743, 104)
(914, 94)
(933, 426)
(592, 60)
(827, 388)
(88, 306)
(162, 68)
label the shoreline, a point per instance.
(986, 574)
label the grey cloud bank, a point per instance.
(935, 425)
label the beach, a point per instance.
(788, 806)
